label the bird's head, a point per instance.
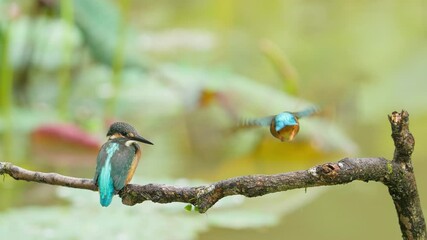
(124, 130)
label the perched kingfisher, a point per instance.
(117, 160)
(284, 126)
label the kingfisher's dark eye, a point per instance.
(123, 134)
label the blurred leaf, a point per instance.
(41, 41)
(63, 146)
(284, 68)
(21, 123)
(100, 23)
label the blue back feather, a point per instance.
(105, 181)
(284, 119)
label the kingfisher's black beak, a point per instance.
(141, 139)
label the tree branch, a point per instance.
(401, 184)
(397, 175)
(204, 197)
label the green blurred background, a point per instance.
(184, 73)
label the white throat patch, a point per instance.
(129, 142)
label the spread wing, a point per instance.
(307, 112)
(256, 122)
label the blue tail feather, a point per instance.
(105, 181)
(105, 185)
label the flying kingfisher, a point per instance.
(117, 160)
(284, 126)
